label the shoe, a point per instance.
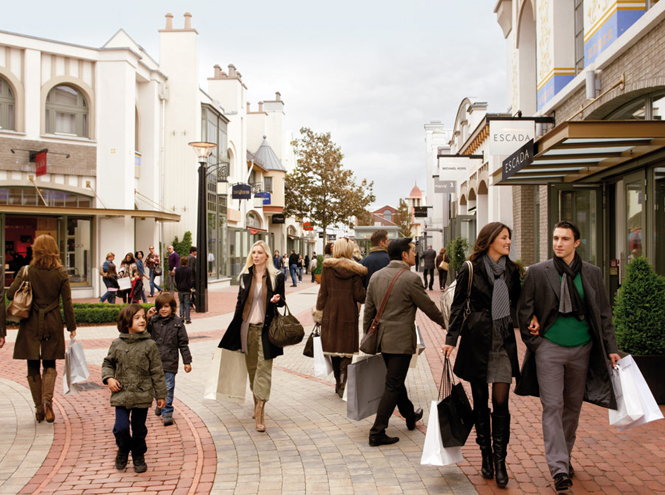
(571, 471)
(562, 482)
(383, 440)
(158, 411)
(484, 440)
(48, 384)
(340, 390)
(121, 460)
(139, 464)
(168, 419)
(188, 322)
(417, 416)
(293, 286)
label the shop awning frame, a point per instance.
(161, 216)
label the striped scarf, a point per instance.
(496, 274)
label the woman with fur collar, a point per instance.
(337, 308)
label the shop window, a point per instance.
(253, 220)
(267, 184)
(78, 247)
(66, 112)
(7, 106)
(659, 231)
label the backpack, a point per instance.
(102, 273)
(449, 294)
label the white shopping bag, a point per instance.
(434, 453)
(76, 368)
(125, 283)
(649, 405)
(322, 362)
(420, 348)
(629, 407)
(227, 377)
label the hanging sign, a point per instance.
(332, 237)
(506, 136)
(265, 197)
(420, 211)
(40, 161)
(445, 186)
(517, 161)
(278, 218)
(307, 226)
(241, 191)
(320, 235)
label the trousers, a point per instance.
(259, 368)
(134, 441)
(394, 393)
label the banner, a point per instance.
(265, 196)
(40, 160)
(506, 136)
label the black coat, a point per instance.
(231, 339)
(476, 342)
(170, 336)
(374, 261)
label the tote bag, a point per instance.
(455, 412)
(364, 385)
(227, 377)
(629, 407)
(434, 453)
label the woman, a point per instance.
(261, 291)
(141, 269)
(151, 262)
(328, 251)
(127, 268)
(40, 335)
(300, 267)
(488, 350)
(443, 274)
(337, 308)
(107, 279)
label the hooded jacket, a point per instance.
(170, 335)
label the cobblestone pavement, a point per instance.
(310, 446)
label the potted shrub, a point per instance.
(639, 319)
(456, 250)
(319, 268)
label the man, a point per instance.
(312, 266)
(397, 333)
(293, 268)
(568, 347)
(151, 262)
(429, 258)
(275, 260)
(378, 255)
(174, 262)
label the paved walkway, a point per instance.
(310, 446)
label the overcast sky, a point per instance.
(371, 73)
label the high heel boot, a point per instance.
(501, 437)
(48, 385)
(35, 383)
(484, 440)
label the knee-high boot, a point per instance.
(501, 437)
(484, 440)
(48, 385)
(336, 364)
(35, 383)
(343, 374)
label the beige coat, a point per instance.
(397, 330)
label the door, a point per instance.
(659, 220)
(636, 236)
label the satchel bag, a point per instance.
(157, 271)
(285, 329)
(455, 412)
(19, 307)
(443, 266)
(102, 273)
(369, 344)
(449, 294)
(309, 345)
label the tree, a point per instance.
(319, 187)
(365, 218)
(404, 219)
(456, 250)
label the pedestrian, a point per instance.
(112, 283)
(397, 335)
(301, 266)
(127, 268)
(306, 264)
(184, 281)
(443, 274)
(191, 263)
(417, 261)
(488, 350)
(293, 267)
(284, 265)
(261, 291)
(104, 273)
(3, 319)
(277, 260)
(337, 308)
(312, 266)
(140, 266)
(133, 372)
(137, 288)
(357, 255)
(40, 335)
(378, 255)
(568, 354)
(169, 332)
(327, 251)
(174, 262)
(153, 261)
(429, 258)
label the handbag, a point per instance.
(443, 266)
(455, 412)
(157, 271)
(449, 295)
(434, 453)
(20, 305)
(285, 329)
(369, 344)
(309, 345)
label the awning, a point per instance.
(579, 151)
(162, 216)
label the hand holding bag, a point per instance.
(285, 330)
(76, 368)
(365, 384)
(309, 345)
(20, 305)
(455, 413)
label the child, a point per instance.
(168, 331)
(137, 288)
(113, 283)
(132, 370)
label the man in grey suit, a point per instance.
(570, 347)
(429, 259)
(396, 336)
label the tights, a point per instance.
(33, 366)
(500, 393)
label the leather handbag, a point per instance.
(369, 344)
(309, 345)
(20, 306)
(157, 271)
(455, 412)
(285, 329)
(443, 266)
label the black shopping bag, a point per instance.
(455, 412)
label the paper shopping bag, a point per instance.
(227, 377)
(355, 359)
(455, 412)
(322, 362)
(365, 383)
(78, 365)
(68, 388)
(629, 407)
(434, 453)
(420, 348)
(649, 405)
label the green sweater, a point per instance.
(568, 331)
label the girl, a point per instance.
(127, 267)
(132, 370)
(137, 287)
(112, 283)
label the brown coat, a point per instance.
(45, 340)
(337, 305)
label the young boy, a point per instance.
(132, 370)
(168, 331)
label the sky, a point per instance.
(370, 73)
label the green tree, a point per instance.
(404, 219)
(182, 247)
(320, 188)
(456, 250)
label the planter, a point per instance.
(652, 369)
(317, 277)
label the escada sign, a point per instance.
(506, 136)
(517, 161)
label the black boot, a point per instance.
(336, 360)
(501, 436)
(343, 373)
(484, 440)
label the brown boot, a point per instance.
(48, 384)
(260, 425)
(35, 383)
(343, 374)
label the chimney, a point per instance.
(232, 70)
(188, 20)
(169, 22)
(278, 96)
(260, 106)
(218, 72)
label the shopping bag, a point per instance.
(365, 383)
(322, 362)
(649, 406)
(68, 388)
(78, 365)
(434, 453)
(629, 407)
(420, 348)
(309, 344)
(125, 283)
(227, 377)
(355, 359)
(455, 412)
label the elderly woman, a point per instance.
(40, 335)
(261, 290)
(337, 308)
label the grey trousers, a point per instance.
(562, 376)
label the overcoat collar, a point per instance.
(555, 280)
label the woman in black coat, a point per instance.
(488, 349)
(261, 291)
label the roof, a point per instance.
(415, 192)
(267, 157)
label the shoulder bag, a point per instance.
(285, 329)
(443, 266)
(369, 344)
(449, 294)
(20, 306)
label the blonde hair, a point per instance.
(45, 254)
(356, 251)
(343, 248)
(270, 267)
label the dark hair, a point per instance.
(377, 237)
(163, 299)
(192, 249)
(124, 260)
(111, 269)
(565, 224)
(183, 261)
(399, 246)
(126, 317)
(486, 237)
(327, 249)
(136, 254)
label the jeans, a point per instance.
(170, 388)
(107, 294)
(134, 442)
(184, 298)
(294, 269)
(153, 285)
(300, 274)
(394, 393)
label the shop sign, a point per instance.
(456, 167)
(517, 161)
(40, 161)
(320, 235)
(241, 191)
(278, 218)
(258, 201)
(506, 136)
(307, 226)
(445, 186)
(332, 237)
(420, 211)
(265, 196)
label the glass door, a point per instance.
(636, 235)
(659, 230)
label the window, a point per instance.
(387, 216)
(66, 112)
(650, 107)
(7, 106)
(579, 36)
(267, 184)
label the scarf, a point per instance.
(496, 274)
(377, 248)
(570, 302)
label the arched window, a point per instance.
(7, 107)
(66, 112)
(388, 216)
(253, 220)
(644, 107)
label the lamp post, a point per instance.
(203, 151)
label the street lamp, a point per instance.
(203, 150)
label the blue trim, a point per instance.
(608, 33)
(552, 87)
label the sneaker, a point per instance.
(121, 460)
(139, 464)
(168, 419)
(158, 411)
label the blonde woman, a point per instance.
(261, 289)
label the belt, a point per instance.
(43, 332)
